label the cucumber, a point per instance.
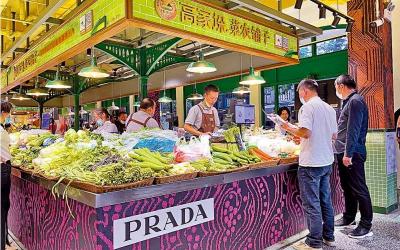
(222, 156)
(220, 161)
(219, 149)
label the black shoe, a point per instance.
(344, 223)
(360, 233)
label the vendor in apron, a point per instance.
(143, 118)
(203, 117)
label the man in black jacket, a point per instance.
(351, 156)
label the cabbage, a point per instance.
(71, 136)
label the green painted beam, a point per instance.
(126, 55)
(156, 53)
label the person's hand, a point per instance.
(347, 161)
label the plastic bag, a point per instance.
(193, 150)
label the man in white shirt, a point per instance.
(317, 129)
(5, 171)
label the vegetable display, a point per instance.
(230, 138)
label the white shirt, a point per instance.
(320, 118)
(5, 145)
(107, 127)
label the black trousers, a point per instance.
(5, 200)
(356, 193)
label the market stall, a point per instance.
(151, 189)
(251, 205)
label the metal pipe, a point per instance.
(15, 20)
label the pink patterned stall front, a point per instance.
(249, 214)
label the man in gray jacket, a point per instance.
(351, 156)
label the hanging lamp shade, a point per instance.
(195, 96)
(201, 66)
(165, 99)
(241, 90)
(57, 83)
(19, 96)
(252, 78)
(37, 91)
(93, 71)
(113, 106)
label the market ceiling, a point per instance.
(132, 37)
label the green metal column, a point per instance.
(143, 87)
(76, 111)
(41, 104)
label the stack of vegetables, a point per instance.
(230, 137)
(162, 164)
(224, 156)
(260, 154)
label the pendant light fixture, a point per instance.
(57, 83)
(19, 96)
(165, 98)
(241, 89)
(113, 107)
(195, 95)
(37, 91)
(93, 71)
(252, 78)
(201, 66)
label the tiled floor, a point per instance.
(386, 229)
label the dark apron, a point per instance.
(207, 121)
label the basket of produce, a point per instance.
(225, 171)
(264, 164)
(262, 155)
(175, 178)
(288, 158)
(93, 188)
(48, 177)
(177, 172)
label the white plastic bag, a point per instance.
(193, 150)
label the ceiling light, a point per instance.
(57, 83)
(37, 91)
(349, 26)
(195, 96)
(322, 12)
(113, 106)
(93, 71)
(201, 66)
(298, 4)
(252, 78)
(136, 104)
(241, 90)
(19, 96)
(165, 98)
(336, 20)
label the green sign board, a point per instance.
(193, 17)
(70, 34)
